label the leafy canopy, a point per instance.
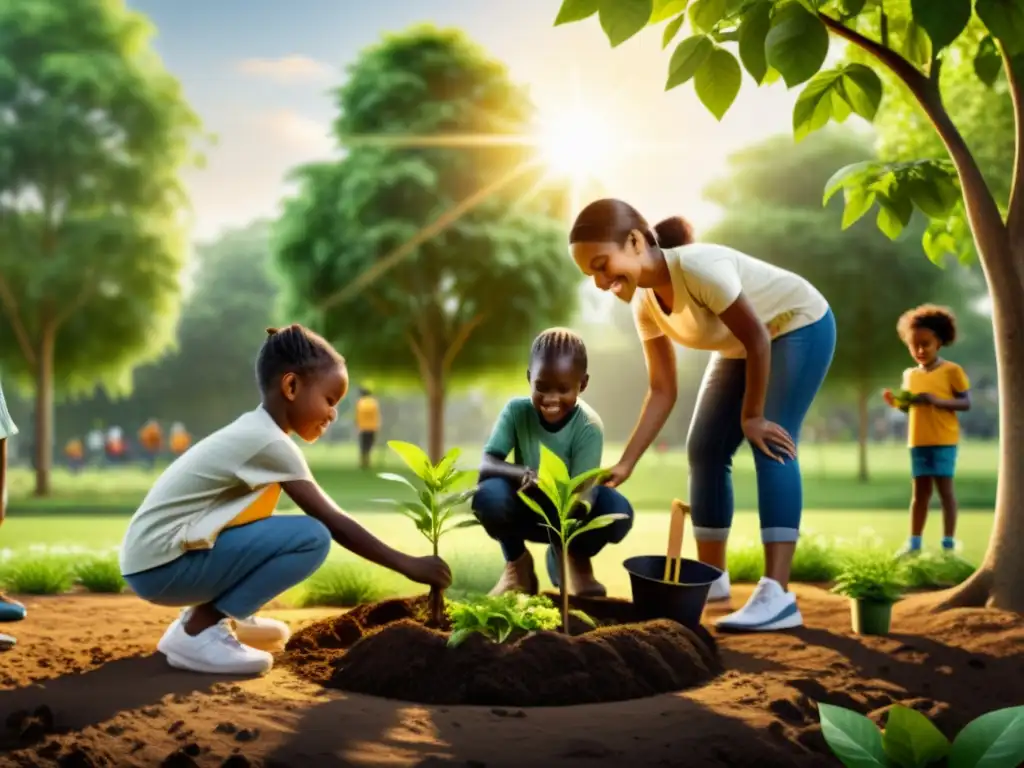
(789, 40)
(94, 134)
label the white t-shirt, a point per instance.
(706, 280)
(208, 487)
(7, 426)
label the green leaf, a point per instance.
(552, 467)
(621, 19)
(598, 522)
(705, 14)
(1005, 20)
(813, 107)
(534, 506)
(943, 20)
(994, 740)
(797, 44)
(753, 32)
(414, 457)
(852, 8)
(584, 617)
(927, 195)
(665, 9)
(395, 478)
(854, 739)
(917, 48)
(576, 10)
(863, 90)
(458, 636)
(987, 61)
(587, 478)
(911, 740)
(858, 203)
(847, 175)
(718, 82)
(672, 29)
(469, 522)
(894, 212)
(687, 59)
(937, 244)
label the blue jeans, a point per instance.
(507, 519)
(800, 361)
(247, 568)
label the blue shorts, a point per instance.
(933, 461)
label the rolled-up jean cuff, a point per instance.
(779, 535)
(710, 534)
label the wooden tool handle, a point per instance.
(675, 540)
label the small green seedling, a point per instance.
(571, 500)
(910, 740)
(436, 502)
(498, 617)
(903, 398)
(871, 575)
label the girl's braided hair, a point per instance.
(294, 349)
(555, 343)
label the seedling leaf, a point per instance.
(397, 479)
(911, 740)
(414, 457)
(854, 739)
(994, 740)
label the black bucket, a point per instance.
(654, 598)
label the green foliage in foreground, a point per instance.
(910, 740)
(499, 617)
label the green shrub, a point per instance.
(496, 618)
(817, 560)
(931, 570)
(346, 584)
(100, 574)
(38, 574)
(746, 563)
(871, 574)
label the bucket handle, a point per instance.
(677, 521)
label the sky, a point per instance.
(260, 75)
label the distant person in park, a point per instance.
(552, 415)
(180, 439)
(367, 424)
(74, 452)
(772, 335)
(96, 443)
(10, 610)
(206, 539)
(940, 389)
(114, 446)
(151, 438)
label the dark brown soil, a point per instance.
(385, 649)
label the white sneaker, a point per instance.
(7, 641)
(769, 608)
(215, 651)
(720, 589)
(256, 631)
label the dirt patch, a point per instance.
(618, 660)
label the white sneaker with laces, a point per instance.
(770, 608)
(256, 631)
(215, 651)
(720, 589)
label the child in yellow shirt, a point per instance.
(940, 389)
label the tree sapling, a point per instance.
(436, 504)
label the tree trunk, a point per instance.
(435, 417)
(863, 430)
(999, 580)
(44, 412)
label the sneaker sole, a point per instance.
(179, 663)
(788, 622)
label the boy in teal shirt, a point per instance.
(553, 415)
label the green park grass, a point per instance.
(47, 546)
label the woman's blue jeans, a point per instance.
(799, 362)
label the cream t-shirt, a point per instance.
(706, 280)
(208, 487)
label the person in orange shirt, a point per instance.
(180, 439)
(151, 438)
(940, 389)
(367, 424)
(74, 451)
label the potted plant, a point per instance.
(873, 581)
(437, 502)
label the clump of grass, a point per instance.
(345, 584)
(745, 563)
(100, 574)
(871, 574)
(817, 560)
(931, 570)
(474, 574)
(37, 575)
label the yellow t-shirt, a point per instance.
(930, 425)
(367, 414)
(74, 449)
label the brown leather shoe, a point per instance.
(581, 577)
(518, 576)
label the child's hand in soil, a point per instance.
(429, 570)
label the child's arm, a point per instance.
(492, 465)
(961, 389)
(311, 499)
(499, 446)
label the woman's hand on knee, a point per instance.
(760, 432)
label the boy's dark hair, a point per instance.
(294, 349)
(610, 221)
(558, 342)
(939, 320)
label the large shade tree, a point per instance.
(421, 253)
(911, 41)
(772, 202)
(93, 132)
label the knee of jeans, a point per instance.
(316, 538)
(492, 500)
(609, 501)
(705, 451)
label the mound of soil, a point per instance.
(385, 649)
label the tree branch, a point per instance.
(982, 210)
(461, 337)
(1015, 216)
(10, 303)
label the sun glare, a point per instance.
(576, 143)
